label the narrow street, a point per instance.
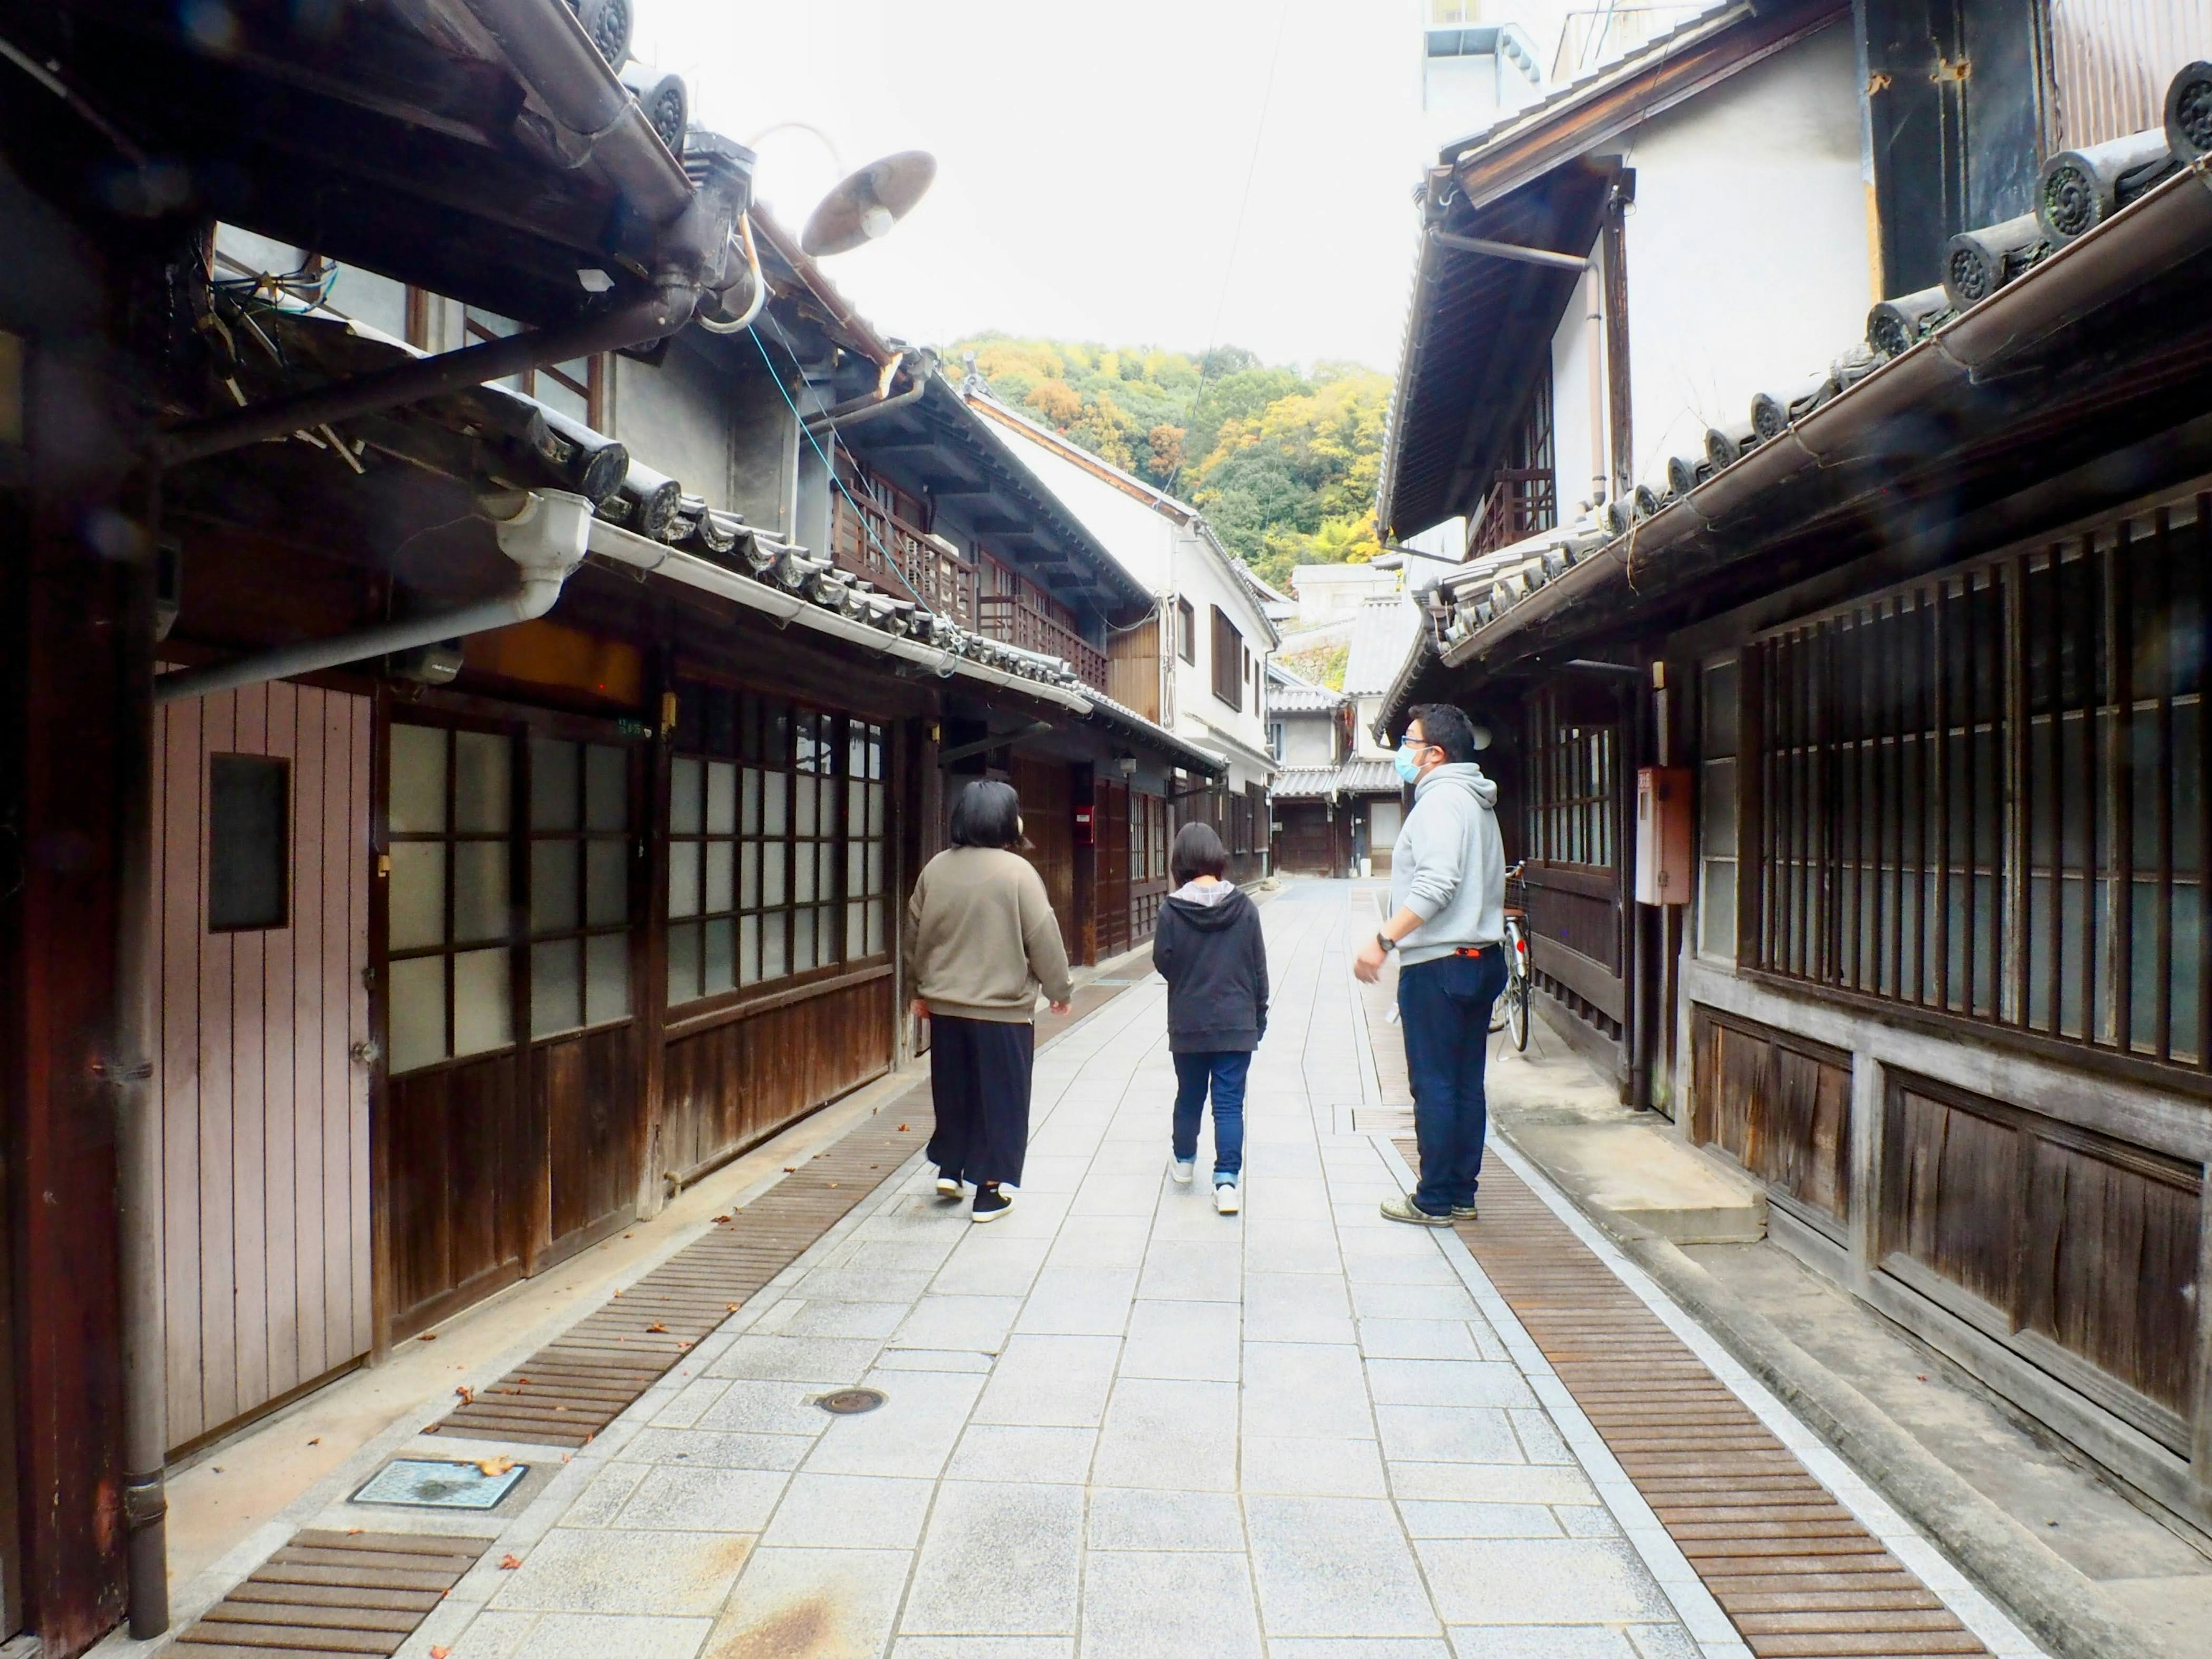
(1115, 1423)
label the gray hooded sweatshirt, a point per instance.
(1448, 864)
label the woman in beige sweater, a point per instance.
(983, 941)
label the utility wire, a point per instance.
(831, 467)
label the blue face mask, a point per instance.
(1409, 768)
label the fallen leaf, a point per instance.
(617, 1293)
(657, 1327)
(467, 1394)
(218, 1468)
(510, 1563)
(733, 1306)
(722, 1218)
(791, 1169)
(352, 1531)
(492, 1467)
(522, 1379)
(680, 1347)
(317, 1441)
(568, 1457)
(902, 1128)
(439, 1653)
(428, 1336)
(1922, 1376)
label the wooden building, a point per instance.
(1323, 799)
(1914, 646)
(553, 704)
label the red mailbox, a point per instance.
(1664, 845)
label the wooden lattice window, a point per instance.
(1989, 793)
(1228, 660)
(1524, 493)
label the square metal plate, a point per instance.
(435, 1484)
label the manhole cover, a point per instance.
(850, 1402)
(433, 1483)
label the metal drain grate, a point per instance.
(850, 1402)
(331, 1593)
(435, 1484)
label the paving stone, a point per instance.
(763, 1407)
(1193, 1270)
(1051, 1382)
(1312, 1390)
(825, 1604)
(984, 1647)
(876, 1320)
(1174, 1434)
(1445, 1382)
(1310, 1467)
(1330, 1646)
(1102, 1241)
(1429, 1518)
(1001, 1560)
(991, 1262)
(1146, 1520)
(1541, 1642)
(680, 1499)
(1335, 1567)
(1447, 1434)
(850, 1511)
(574, 1569)
(1189, 1341)
(1168, 1605)
(1001, 1451)
(1434, 1300)
(1296, 1308)
(1417, 1338)
(1538, 1580)
(958, 1321)
(826, 1362)
(911, 1434)
(1079, 1302)
(598, 1636)
(603, 1500)
(1490, 1483)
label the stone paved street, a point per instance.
(1118, 1424)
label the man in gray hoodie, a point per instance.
(1448, 899)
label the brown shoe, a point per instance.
(1402, 1208)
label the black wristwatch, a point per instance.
(1388, 944)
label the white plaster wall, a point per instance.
(1199, 576)
(1578, 436)
(1748, 267)
(1138, 537)
(1308, 740)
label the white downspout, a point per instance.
(544, 532)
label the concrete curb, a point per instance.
(2054, 1602)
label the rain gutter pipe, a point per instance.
(1529, 256)
(545, 44)
(854, 410)
(545, 534)
(613, 542)
(428, 377)
(2167, 224)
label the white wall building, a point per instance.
(1214, 633)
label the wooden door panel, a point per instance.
(1110, 832)
(265, 1110)
(582, 1086)
(456, 1212)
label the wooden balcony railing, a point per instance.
(902, 561)
(1521, 502)
(1006, 619)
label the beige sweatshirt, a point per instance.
(982, 938)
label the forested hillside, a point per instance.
(1282, 464)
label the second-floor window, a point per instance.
(1185, 626)
(1228, 660)
(1275, 739)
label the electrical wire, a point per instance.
(829, 466)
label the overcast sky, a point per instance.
(1093, 158)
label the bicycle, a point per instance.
(1518, 972)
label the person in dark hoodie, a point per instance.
(1209, 948)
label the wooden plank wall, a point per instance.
(1049, 822)
(265, 1113)
(1781, 1106)
(1132, 668)
(734, 1081)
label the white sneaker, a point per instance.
(1227, 1199)
(1182, 1168)
(947, 1186)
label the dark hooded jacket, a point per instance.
(1209, 948)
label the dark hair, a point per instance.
(1445, 725)
(988, 814)
(1197, 852)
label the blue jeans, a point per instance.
(1225, 1072)
(1445, 1008)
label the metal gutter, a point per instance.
(545, 535)
(2169, 223)
(882, 400)
(427, 377)
(546, 45)
(622, 546)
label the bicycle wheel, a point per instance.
(1517, 1011)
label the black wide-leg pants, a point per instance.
(979, 1081)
